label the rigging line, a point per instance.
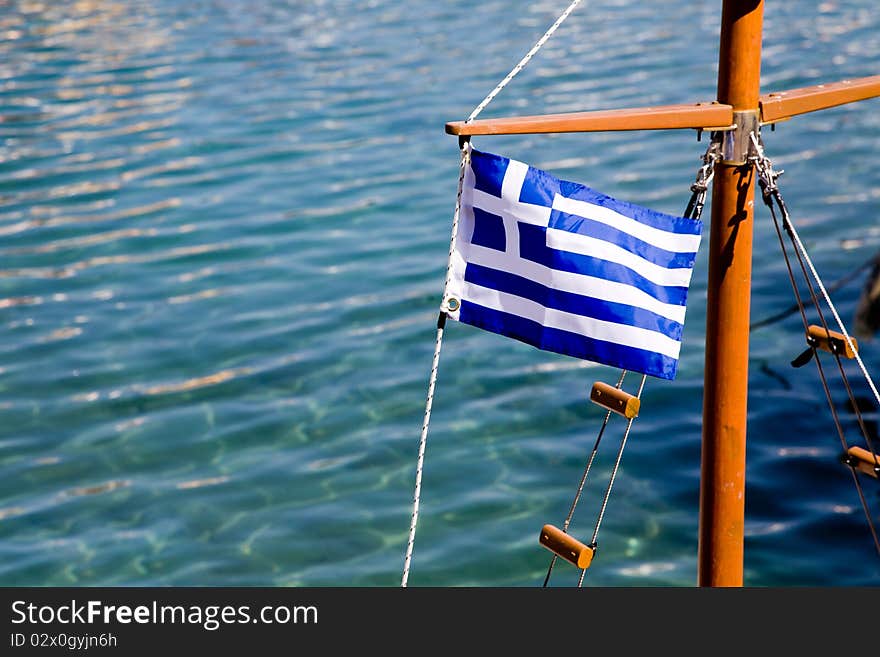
(767, 178)
(864, 502)
(435, 363)
(831, 306)
(799, 304)
(858, 411)
(522, 63)
(705, 175)
(836, 285)
(850, 395)
(862, 499)
(770, 192)
(613, 477)
(786, 218)
(583, 481)
(865, 508)
(693, 211)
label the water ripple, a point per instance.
(223, 230)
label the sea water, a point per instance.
(223, 237)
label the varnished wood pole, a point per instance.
(722, 486)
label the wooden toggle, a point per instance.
(615, 399)
(863, 461)
(567, 547)
(831, 341)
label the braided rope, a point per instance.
(432, 379)
(771, 192)
(765, 169)
(833, 309)
(522, 63)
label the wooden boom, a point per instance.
(699, 116)
(775, 106)
(781, 105)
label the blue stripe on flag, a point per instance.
(584, 226)
(570, 302)
(566, 342)
(489, 230)
(539, 188)
(641, 214)
(489, 172)
(533, 247)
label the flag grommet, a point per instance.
(452, 304)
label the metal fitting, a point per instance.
(737, 145)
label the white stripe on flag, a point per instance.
(680, 243)
(590, 246)
(511, 187)
(598, 288)
(527, 213)
(597, 329)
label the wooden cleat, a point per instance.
(615, 399)
(863, 461)
(831, 341)
(567, 547)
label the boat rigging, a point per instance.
(734, 163)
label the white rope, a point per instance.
(827, 297)
(432, 380)
(525, 60)
(765, 169)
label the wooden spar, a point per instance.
(708, 116)
(725, 389)
(781, 105)
(738, 111)
(700, 115)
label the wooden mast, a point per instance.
(722, 482)
(738, 111)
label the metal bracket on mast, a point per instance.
(737, 145)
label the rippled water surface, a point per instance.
(223, 237)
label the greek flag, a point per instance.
(559, 266)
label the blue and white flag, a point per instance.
(564, 268)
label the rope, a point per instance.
(770, 192)
(693, 211)
(836, 285)
(774, 191)
(611, 480)
(853, 403)
(583, 481)
(432, 379)
(522, 63)
(825, 295)
(800, 247)
(817, 305)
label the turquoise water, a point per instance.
(223, 230)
